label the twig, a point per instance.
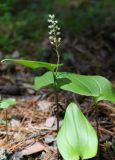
(6, 119)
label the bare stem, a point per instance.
(56, 101)
(97, 128)
(57, 106)
(97, 121)
(58, 57)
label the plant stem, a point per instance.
(56, 101)
(58, 57)
(97, 127)
(96, 118)
(57, 105)
(56, 91)
(6, 119)
(55, 86)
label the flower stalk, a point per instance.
(55, 40)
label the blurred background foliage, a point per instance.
(23, 23)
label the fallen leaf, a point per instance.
(44, 105)
(36, 147)
(15, 123)
(49, 139)
(50, 121)
(2, 142)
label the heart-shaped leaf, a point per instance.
(76, 138)
(6, 103)
(95, 86)
(34, 64)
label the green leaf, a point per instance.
(44, 80)
(76, 138)
(7, 103)
(34, 64)
(95, 86)
(47, 79)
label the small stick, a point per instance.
(6, 119)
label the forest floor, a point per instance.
(32, 121)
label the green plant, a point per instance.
(4, 104)
(71, 143)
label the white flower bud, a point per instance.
(57, 28)
(49, 20)
(56, 21)
(51, 26)
(50, 37)
(52, 16)
(50, 32)
(54, 32)
(52, 42)
(54, 39)
(58, 33)
(59, 40)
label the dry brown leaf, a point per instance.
(36, 147)
(44, 105)
(2, 142)
(50, 121)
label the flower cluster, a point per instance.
(54, 33)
